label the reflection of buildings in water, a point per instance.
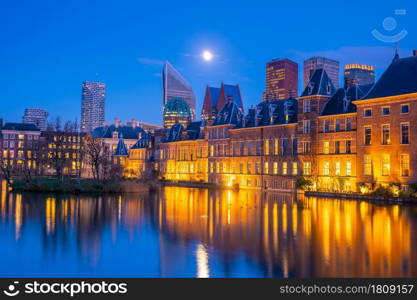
(303, 238)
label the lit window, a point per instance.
(348, 168)
(276, 147)
(307, 168)
(405, 165)
(284, 168)
(326, 147)
(337, 168)
(294, 168)
(386, 166)
(266, 167)
(266, 145)
(275, 168)
(367, 164)
(326, 168)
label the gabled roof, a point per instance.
(143, 142)
(194, 130)
(174, 133)
(20, 127)
(229, 114)
(272, 113)
(128, 132)
(121, 149)
(398, 79)
(341, 102)
(319, 84)
(214, 96)
(234, 92)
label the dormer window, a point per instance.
(329, 88)
(310, 87)
(115, 134)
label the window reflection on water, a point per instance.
(202, 233)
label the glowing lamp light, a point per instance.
(207, 55)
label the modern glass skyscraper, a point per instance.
(329, 65)
(175, 86)
(36, 116)
(358, 74)
(92, 105)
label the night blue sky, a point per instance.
(49, 47)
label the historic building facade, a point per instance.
(340, 139)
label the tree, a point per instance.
(96, 156)
(55, 149)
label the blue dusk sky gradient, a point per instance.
(48, 48)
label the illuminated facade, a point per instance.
(281, 80)
(93, 96)
(338, 138)
(176, 110)
(357, 74)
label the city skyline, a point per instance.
(131, 70)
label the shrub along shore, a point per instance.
(78, 186)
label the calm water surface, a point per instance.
(182, 232)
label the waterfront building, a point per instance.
(93, 96)
(215, 98)
(174, 85)
(36, 116)
(20, 144)
(342, 140)
(358, 74)
(329, 65)
(176, 110)
(281, 80)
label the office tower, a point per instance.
(215, 98)
(281, 80)
(329, 65)
(175, 86)
(176, 111)
(357, 74)
(92, 105)
(36, 116)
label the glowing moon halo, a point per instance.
(207, 55)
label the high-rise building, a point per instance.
(329, 65)
(36, 116)
(357, 74)
(175, 86)
(176, 111)
(281, 79)
(92, 105)
(215, 98)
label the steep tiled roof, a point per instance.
(398, 79)
(127, 132)
(229, 114)
(174, 133)
(121, 149)
(341, 102)
(272, 113)
(20, 127)
(319, 84)
(143, 142)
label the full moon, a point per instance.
(207, 55)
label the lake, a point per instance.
(187, 232)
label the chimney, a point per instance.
(414, 52)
